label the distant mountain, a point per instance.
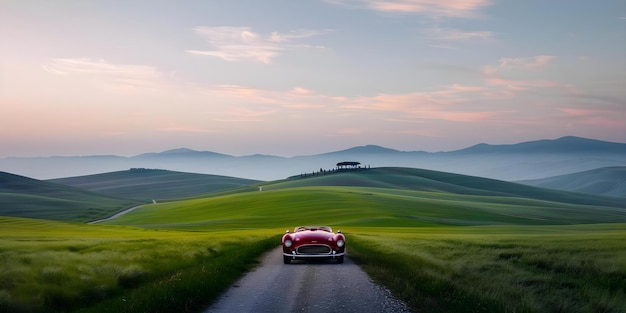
(608, 181)
(26, 197)
(521, 161)
(182, 152)
(569, 144)
(368, 149)
(152, 184)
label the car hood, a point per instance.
(317, 235)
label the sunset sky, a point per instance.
(306, 77)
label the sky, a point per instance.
(287, 78)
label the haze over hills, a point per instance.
(608, 181)
(26, 197)
(87, 198)
(528, 160)
(152, 184)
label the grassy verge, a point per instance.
(497, 269)
(191, 288)
(60, 267)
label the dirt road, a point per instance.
(306, 287)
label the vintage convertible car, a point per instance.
(313, 242)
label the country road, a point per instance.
(117, 214)
(321, 286)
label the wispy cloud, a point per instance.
(539, 61)
(244, 115)
(448, 8)
(601, 118)
(123, 76)
(447, 34)
(185, 129)
(296, 34)
(520, 74)
(443, 104)
(253, 104)
(241, 43)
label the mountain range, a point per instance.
(511, 162)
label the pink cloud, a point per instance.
(539, 61)
(457, 35)
(455, 89)
(449, 8)
(501, 75)
(443, 105)
(578, 111)
(241, 43)
(529, 84)
(124, 77)
(350, 131)
(185, 129)
(596, 117)
(242, 114)
(302, 91)
(296, 34)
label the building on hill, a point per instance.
(341, 166)
(348, 165)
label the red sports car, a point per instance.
(313, 242)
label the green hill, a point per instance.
(436, 181)
(608, 181)
(382, 197)
(26, 197)
(148, 184)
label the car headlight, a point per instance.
(288, 243)
(340, 243)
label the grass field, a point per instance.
(442, 242)
(499, 269)
(61, 267)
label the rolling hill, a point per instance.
(26, 197)
(149, 184)
(435, 181)
(608, 181)
(397, 197)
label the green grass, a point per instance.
(61, 267)
(359, 206)
(499, 269)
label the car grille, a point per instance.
(313, 249)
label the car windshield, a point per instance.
(313, 228)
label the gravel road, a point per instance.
(321, 286)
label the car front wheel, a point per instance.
(340, 260)
(286, 259)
